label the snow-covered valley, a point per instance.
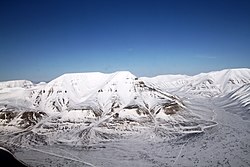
(117, 119)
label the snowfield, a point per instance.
(117, 119)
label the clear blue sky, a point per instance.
(42, 39)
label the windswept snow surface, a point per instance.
(117, 119)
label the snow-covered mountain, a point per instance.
(99, 92)
(238, 101)
(94, 99)
(242, 96)
(87, 107)
(204, 84)
(16, 83)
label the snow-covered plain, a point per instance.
(117, 119)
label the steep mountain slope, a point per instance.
(242, 95)
(238, 101)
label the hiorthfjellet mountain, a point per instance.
(117, 119)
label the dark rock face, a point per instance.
(24, 119)
(7, 159)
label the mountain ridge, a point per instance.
(208, 84)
